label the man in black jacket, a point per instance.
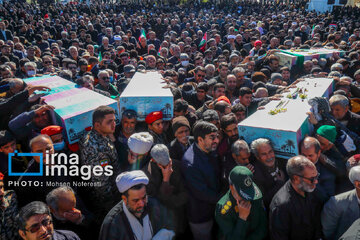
(269, 172)
(294, 210)
(201, 171)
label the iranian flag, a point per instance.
(142, 34)
(202, 44)
(159, 51)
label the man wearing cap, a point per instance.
(255, 50)
(240, 213)
(133, 217)
(342, 210)
(125, 129)
(55, 133)
(181, 129)
(326, 135)
(294, 210)
(201, 171)
(155, 124)
(137, 157)
(166, 184)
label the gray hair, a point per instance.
(102, 72)
(237, 70)
(239, 146)
(335, 66)
(256, 143)
(52, 199)
(354, 174)
(32, 64)
(297, 164)
(334, 74)
(212, 66)
(338, 99)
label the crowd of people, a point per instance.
(193, 177)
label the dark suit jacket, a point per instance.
(8, 34)
(339, 213)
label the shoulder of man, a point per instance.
(64, 235)
(224, 206)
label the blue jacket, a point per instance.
(202, 176)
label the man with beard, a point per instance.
(294, 210)
(132, 217)
(231, 91)
(201, 172)
(228, 125)
(240, 156)
(35, 222)
(269, 172)
(183, 140)
(125, 130)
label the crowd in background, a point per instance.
(194, 176)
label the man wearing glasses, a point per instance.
(311, 149)
(294, 210)
(35, 223)
(105, 85)
(199, 75)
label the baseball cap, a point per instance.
(241, 178)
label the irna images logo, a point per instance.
(60, 164)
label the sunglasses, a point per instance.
(312, 180)
(199, 75)
(105, 78)
(36, 227)
(47, 62)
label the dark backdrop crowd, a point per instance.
(193, 177)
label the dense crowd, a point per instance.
(193, 177)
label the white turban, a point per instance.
(141, 142)
(127, 180)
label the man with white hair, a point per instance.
(269, 172)
(342, 210)
(132, 217)
(340, 110)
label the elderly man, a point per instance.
(240, 212)
(96, 149)
(340, 110)
(105, 85)
(294, 210)
(269, 172)
(310, 148)
(181, 129)
(155, 124)
(69, 213)
(342, 210)
(166, 184)
(35, 222)
(240, 154)
(200, 169)
(132, 217)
